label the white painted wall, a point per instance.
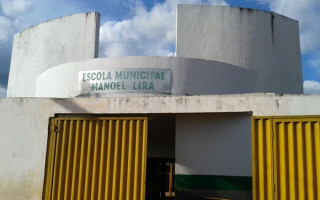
(23, 137)
(213, 144)
(264, 42)
(24, 126)
(38, 48)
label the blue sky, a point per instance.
(147, 28)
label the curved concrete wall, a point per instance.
(220, 50)
(38, 48)
(188, 76)
(265, 42)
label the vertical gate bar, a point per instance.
(314, 157)
(254, 166)
(109, 160)
(102, 160)
(129, 173)
(140, 160)
(136, 163)
(282, 161)
(295, 143)
(261, 136)
(123, 159)
(300, 158)
(144, 160)
(57, 165)
(276, 178)
(76, 161)
(62, 173)
(88, 162)
(291, 164)
(317, 152)
(69, 164)
(83, 155)
(115, 162)
(96, 161)
(268, 137)
(309, 164)
(50, 159)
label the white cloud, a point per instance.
(217, 2)
(11, 18)
(3, 92)
(148, 33)
(311, 87)
(8, 27)
(314, 61)
(16, 7)
(5, 29)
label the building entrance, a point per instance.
(161, 157)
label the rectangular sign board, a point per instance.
(132, 80)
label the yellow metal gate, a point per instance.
(96, 158)
(286, 158)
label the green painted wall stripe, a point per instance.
(212, 182)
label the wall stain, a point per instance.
(219, 104)
(179, 101)
(21, 187)
(272, 27)
(146, 102)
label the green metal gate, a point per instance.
(286, 158)
(96, 158)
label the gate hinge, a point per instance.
(55, 128)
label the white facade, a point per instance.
(225, 56)
(24, 133)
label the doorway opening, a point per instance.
(160, 158)
(110, 157)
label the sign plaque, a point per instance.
(132, 80)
